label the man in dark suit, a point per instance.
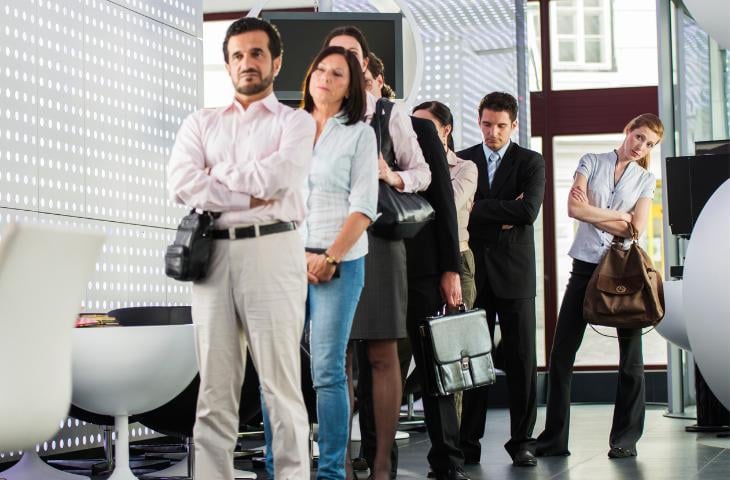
(510, 190)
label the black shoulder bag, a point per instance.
(400, 215)
(188, 257)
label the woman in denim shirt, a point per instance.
(610, 190)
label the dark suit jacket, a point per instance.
(505, 259)
(436, 248)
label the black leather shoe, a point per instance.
(457, 473)
(359, 464)
(524, 458)
(619, 452)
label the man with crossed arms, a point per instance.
(248, 161)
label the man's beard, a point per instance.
(254, 88)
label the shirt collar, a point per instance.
(270, 102)
(451, 158)
(488, 151)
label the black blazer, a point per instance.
(505, 259)
(436, 247)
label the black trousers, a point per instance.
(628, 413)
(424, 299)
(516, 356)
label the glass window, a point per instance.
(697, 86)
(534, 53)
(603, 43)
(726, 79)
(596, 349)
(536, 145)
(582, 34)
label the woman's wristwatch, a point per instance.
(330, 259)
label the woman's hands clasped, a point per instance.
(318, 269)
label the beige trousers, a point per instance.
(253, 297)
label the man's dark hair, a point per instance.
(377, 69)
(499, 102)
(252, 24)
(353, 106)
(350, 31)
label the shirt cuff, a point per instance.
(407, 182)
(372, 215)
(241, 199)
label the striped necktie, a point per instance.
(492, 166)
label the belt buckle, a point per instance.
(231, 233)
(256, 230)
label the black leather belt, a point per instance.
(254, 230)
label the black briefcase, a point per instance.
(458, 351)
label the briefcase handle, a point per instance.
(443, 311)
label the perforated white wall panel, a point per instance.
(469, 51)
(92, 93)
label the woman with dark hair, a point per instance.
(610, 192)
(380, 319)
(342, 195)
(464, 175)
(341, 201)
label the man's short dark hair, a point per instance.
(354, 104)
(252, 24)
(499, 102)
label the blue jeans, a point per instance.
(330, 310)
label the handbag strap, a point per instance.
(378, 119)
(618, 336)
(383, 110)
(633, 235)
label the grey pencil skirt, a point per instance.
(381, 312)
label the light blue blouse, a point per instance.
(590, 243)
(343, 180)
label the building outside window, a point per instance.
(583, 34)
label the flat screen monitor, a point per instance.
(303, 34)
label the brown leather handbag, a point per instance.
(625, 291)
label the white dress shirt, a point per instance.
(264, 151)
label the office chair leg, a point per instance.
(191, 456)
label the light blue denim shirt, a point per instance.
(590, 243)
(343, 180)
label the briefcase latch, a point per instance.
(465, 363)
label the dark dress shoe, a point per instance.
(359, 464)
(456, 473)
(524, 458)
(620, 452)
